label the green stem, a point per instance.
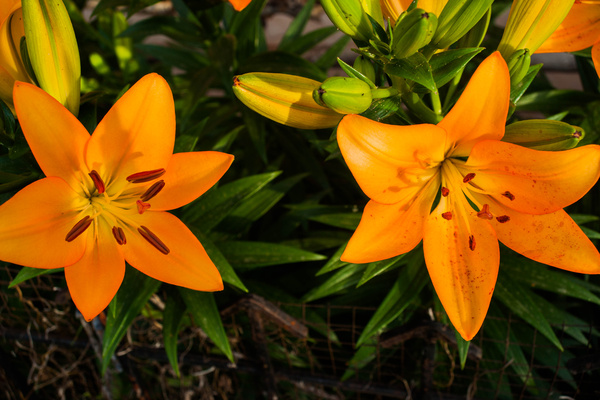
(452, 89)
(435, 102)
(418, 108)
(382, 93)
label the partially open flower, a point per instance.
(11, 64)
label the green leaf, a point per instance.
(334, 262)
(361, 358)
(133, 295)
(345, 278)
(414, 68)
(216, 204)
(297, 26)
(327, 60)
(517, 90)
(411, 280)
(27, 273)
(353, 73)
(175, 309)
(463, 348)
(518, 300)
(225, 269)
(376, 268)
(204, 311)
(447, 64)
(553, 101)
(248, 255)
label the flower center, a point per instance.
(117, 206)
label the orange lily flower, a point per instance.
(104, 197)
(239, 5)
(502, 192)
(393, 8)
(11, 32)
(579, 30)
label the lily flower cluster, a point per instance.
(105, 196)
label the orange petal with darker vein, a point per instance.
(463, 265)
(533, 181)
(553, 239)
(137, 134)
(386, 159)
(95, 279)
(578, 31)
(56, 138)
(239, 5)
(389, 230)
(188, 176)
(34, 223)
(186, 263)
(480, 112)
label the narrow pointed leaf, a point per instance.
(27, 273)
(173, 314)
(248, 255)
(414, 68)
(447, 64)
(339, 282)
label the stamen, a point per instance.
(469, 177)
(445, 191)
(119, 235)
(508, 195)
(79, 228)
(485, 213)
(472, 242)
(146, 176)
(447, 215)
(153, 190)
(98, 182)
(502, 218)
(153, 239)
(141, 206)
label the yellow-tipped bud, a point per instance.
(543, 134)
(286, 99)
(344, 95)
(530, 23)
(11, 64)
(53, 51)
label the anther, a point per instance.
(141, 206)
(445, 191)
(153, 190)
(485, 212)
(146, 176)
(469, 177)
(98, 182)
(153, 239)
(508, 195)
(472, 242)
(79, 228)
(447, 215)
(119, 235)
(502, 218)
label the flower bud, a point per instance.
(543, 134)
(365, 67)
(413, 30)
(518, 65)
(286, 99)
(456, 19)
(11, 64)
(530, 23)
(392, 9)
(53, 51)
(349, 17)
(344, 95)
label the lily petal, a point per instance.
(553, 239)
(239, 5)
(533, 181)
(596, 57)
(387, 159)
(463, 265)
(480, 112)
(188, 176)
(137, 134)
(387, 231)
(11, 32)
(95, 279)
(35, 222)
(579, 30)
(187, 263)
(56, 138)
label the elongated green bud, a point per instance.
(518, 65)
(543, 134)
(286, 99)
(413, 30)
(53, 50)
(349, 17)
(365, 67)
(457, 18)
(344, 95)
